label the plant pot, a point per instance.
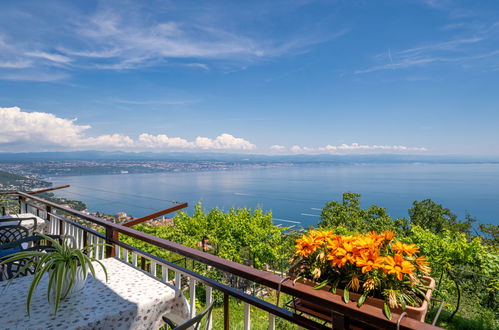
(78, 284)
(417, 313)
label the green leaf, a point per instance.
(346, 294)
(402, 303)
(50, 284)
(362, 299)
(321, 285)
(386, 310)
(103, 268)
(61, 274)
(34, 283)
(335, 285)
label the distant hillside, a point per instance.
(15, 182)
(249, 158)
(10, 181)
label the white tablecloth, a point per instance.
(131, 299)
(42, 226)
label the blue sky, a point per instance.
(273, 77)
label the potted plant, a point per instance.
(66, 268)
(369, 268)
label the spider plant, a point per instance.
(61, 265)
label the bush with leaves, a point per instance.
(466, 271)
(349, 215)
(430, 215)
(241, 235)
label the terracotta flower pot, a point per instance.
(418, 313)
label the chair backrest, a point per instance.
(12, 233)
(195, 321)
(37, 240)
(13, 219)
(17, 268)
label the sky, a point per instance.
(267, 77)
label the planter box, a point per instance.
(417, 313)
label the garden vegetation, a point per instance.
(463, 257)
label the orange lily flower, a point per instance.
(346, 253)
(369, 260)
(423, 265)
(306, 245)
(408, 249)
(398, 265)
(388, 235)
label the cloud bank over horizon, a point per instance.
(42, 131)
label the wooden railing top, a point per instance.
(35, 191)
(367, 314)
(155, 214)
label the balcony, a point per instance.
(87, 229)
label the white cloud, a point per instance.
(38, 127)
(131, 36)
(277, 147)
(224, 141)
(356, 148)
(15, 64)
(477, 44)
(33, 130)
(163, 141)
(105, 141)
(131, 42)
(198, 65)
(51, 57)
(34, 76)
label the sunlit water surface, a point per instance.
(296, 193)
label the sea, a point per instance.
(295, 194)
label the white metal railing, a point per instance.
(130, 257)
(60, 225)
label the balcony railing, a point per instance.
(86, 229)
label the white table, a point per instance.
(131, 299)
(42, 226)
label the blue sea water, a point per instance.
(297, 193)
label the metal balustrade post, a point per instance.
(61, 227)
(271, 321)
(226, 312)
(247, 316)
(178, 280)
(22, 203)
(192, 294)
(209, 301)
(85, 241)
(48, 210)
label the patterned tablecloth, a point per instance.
(131, 299)
(26, 220)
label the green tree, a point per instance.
(490, 235)
(349, 215)
(242, 235)
(430, 215)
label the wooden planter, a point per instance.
(323, 312)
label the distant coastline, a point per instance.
(45, 164)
